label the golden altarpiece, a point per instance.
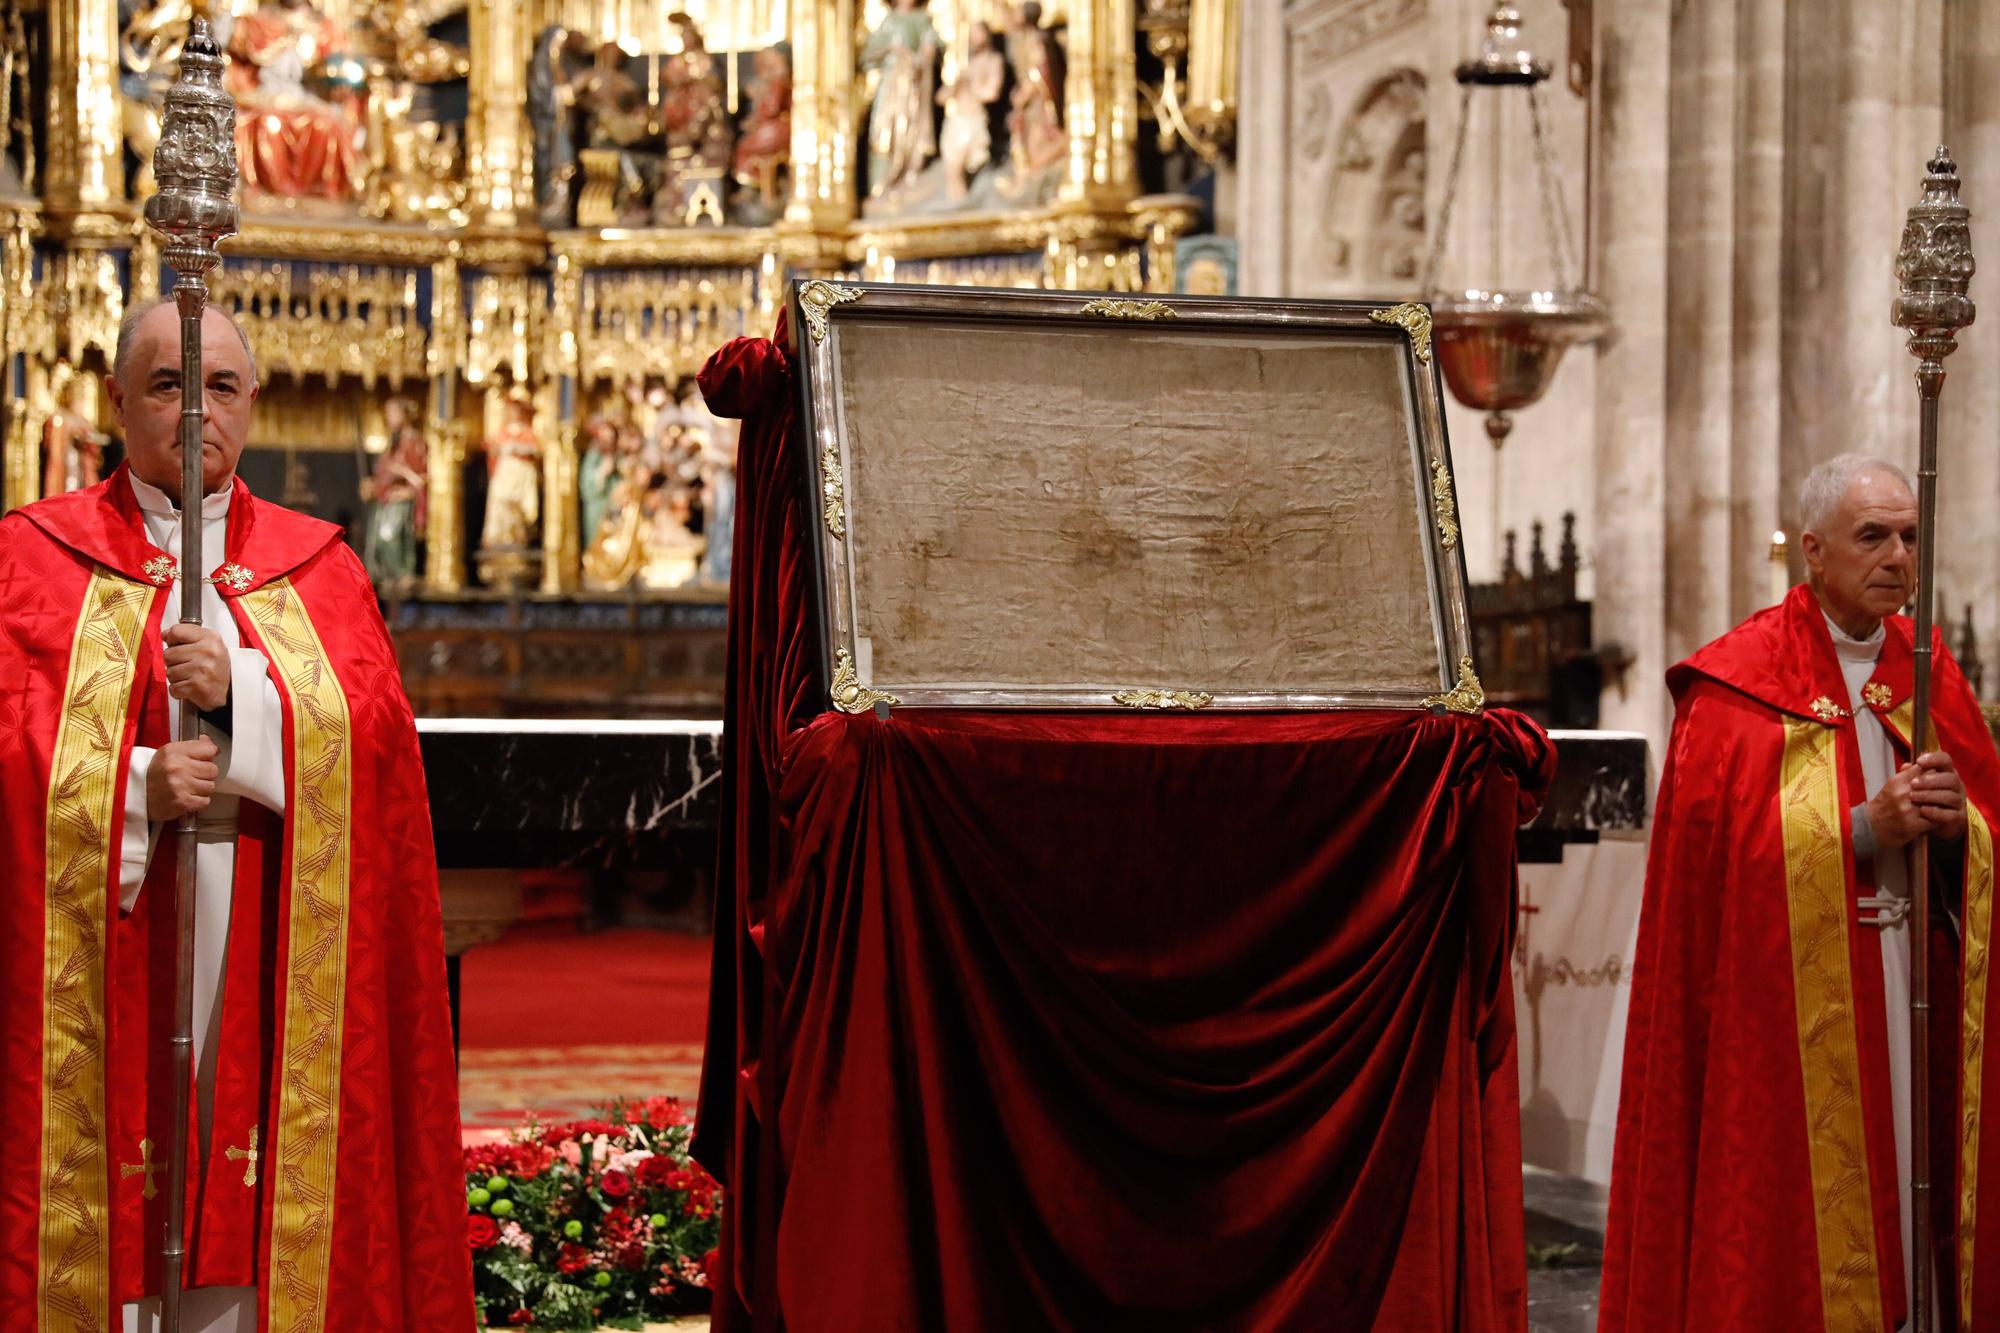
(486, 246)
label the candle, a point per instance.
(1781, 570)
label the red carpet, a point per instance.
(550, 986)
(555, 1024)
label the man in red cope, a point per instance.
(324, 1181)
(1761, 1178)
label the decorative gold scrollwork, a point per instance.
(834, 491)
(1444, 504)
(1878, 696)
(816, 298)
(849, 694)
(1412, 319)
(1465, 697)
(1827, 711)
(1163, 698)
(1108, 307)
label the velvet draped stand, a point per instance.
(1062, 1021)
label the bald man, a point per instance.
(324, 1182)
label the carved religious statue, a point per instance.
(555, 74)
(694, 116)
(902, 51)
(514, 486)
(72, 446)
(396, 492)
(1036, 140)
(149, 51)
(765, 149)
(969, 105)
(597, 476)
(291, 142)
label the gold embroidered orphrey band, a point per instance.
(1972, 1049)
(1823, 992)
(305, 1139)
(73, 1270)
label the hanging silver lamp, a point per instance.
(1499, 349)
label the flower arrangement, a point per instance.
(605, 1222)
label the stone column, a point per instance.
(1969, 462)
(562, 543)
(1630, 604)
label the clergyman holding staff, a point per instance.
(1762, 1172)
(325, 1135)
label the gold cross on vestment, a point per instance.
(246, 1155)
(146, 1166)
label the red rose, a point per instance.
(615, 1184)
(572, 1258)
(654, 1171)
(481, 1232)
(520, 1318)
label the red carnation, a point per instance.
(572, 1258)
(481, 1232)
(615, 1184)
(655, 1172)
(521, 1318)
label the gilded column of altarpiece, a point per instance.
(485, 247)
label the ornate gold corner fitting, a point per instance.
(849, 694)
(1189, 699)
(1107, 307)
(1465, 697)
(1827, 711)
(1412, 319)
(1878, 696)
(1444, 504)
(833, 491)
(818, 297)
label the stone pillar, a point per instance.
(561, 541)
(1969, 417)
(498, 167)
(1630, 603)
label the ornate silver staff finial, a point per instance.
(1935, 266)
(195, 164)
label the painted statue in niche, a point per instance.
(620, 153)
(657, 491)
(555, 75)
(700, 136)
(414, 160)
(72, 446)
(395, 492)
(970, 104)
(596, 475)
(291, 142)
(1037, 142)
(514, 479)
(902, 52)
(17, 102)
(764, 151)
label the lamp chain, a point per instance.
(1450, 193)
(1555, 219)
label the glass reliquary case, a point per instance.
(1029, 499)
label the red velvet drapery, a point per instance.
(1088, 1022)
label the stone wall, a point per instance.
(1753, 162)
